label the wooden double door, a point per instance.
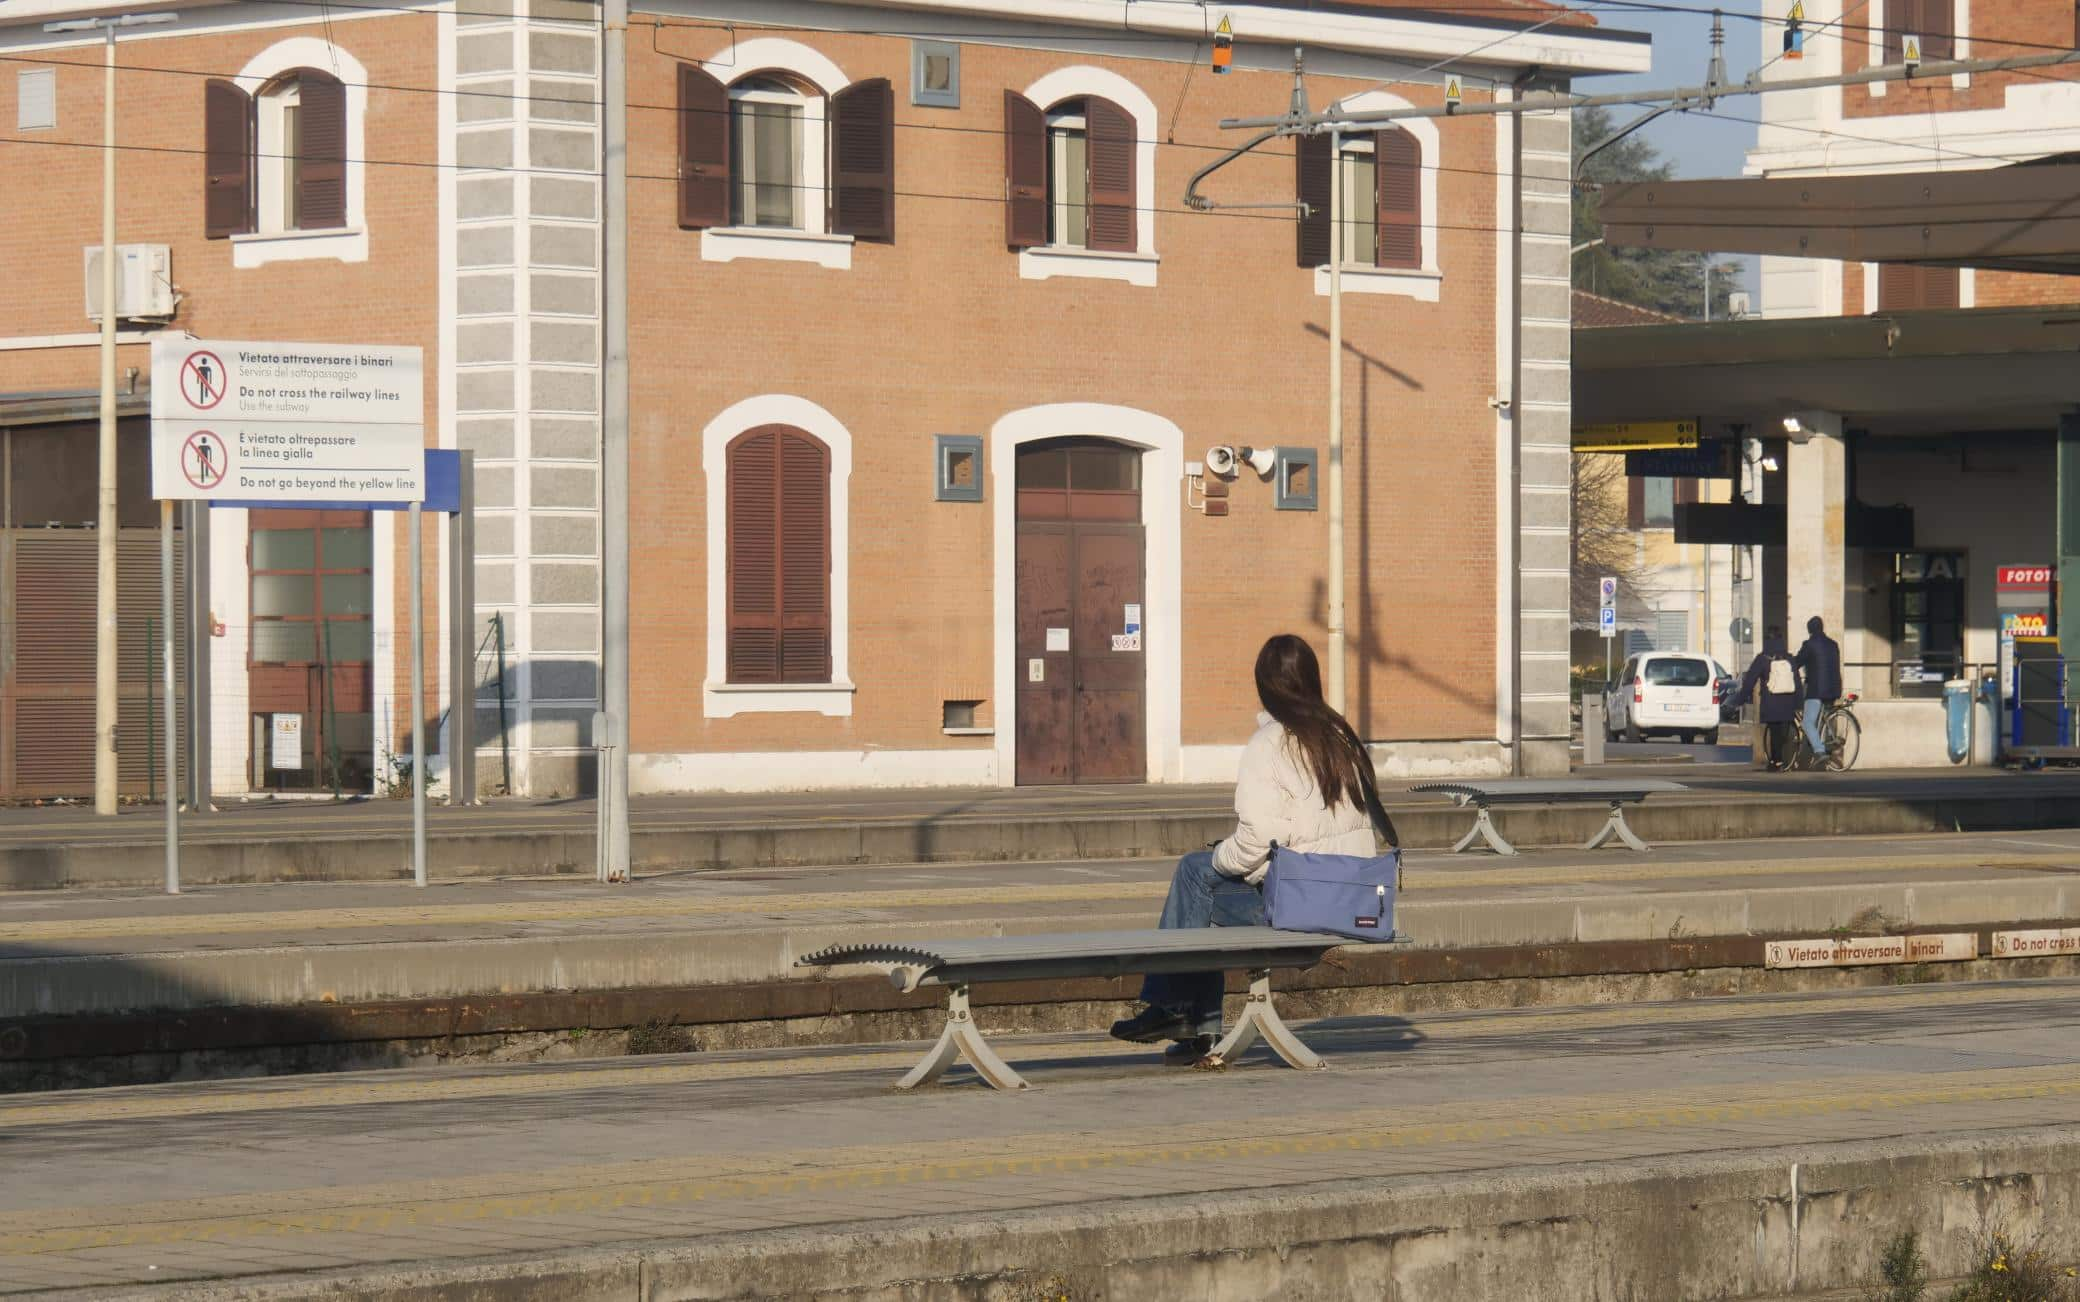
(1081, 635)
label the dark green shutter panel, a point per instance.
(227, 163)
(863, 161)
(321, 150)
(1311, 187)
(754, 579)
(1110, 132)
(805, 560)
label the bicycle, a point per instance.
(1842, 733)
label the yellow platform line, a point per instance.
(246, 1097)
(572, 1191)
(794, 905)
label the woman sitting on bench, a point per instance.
(1306, 783)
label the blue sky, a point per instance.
(1699, 146)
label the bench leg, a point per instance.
(1484, 829)
(960, 1040)
(1616, 827)
(1260, 1019)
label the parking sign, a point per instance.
(1609, 621)
(1608, 590)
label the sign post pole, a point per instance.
(173, 733)
(418, 703)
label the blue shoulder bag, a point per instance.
(1341, 894)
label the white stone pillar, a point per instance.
(1815, 523)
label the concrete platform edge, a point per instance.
(1762, 1224)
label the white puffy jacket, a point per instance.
(1276, 799)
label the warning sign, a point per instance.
(283, 422)
(202, 380)
(203, 460)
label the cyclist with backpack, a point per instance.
(1773, 676)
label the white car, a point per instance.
(1667, 694)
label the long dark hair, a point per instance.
(1289, 683)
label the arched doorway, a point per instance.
(1080, 637)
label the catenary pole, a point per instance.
(106, 669)
(613, 784)
(173, 732)
(1336, 238)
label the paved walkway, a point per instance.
(247, 1178)
(1113, 892)
(23, 826)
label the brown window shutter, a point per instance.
(1938, 20)
(1311, 185)
(1899, 287)
(1685, 491)
(753, 487)
(1111, 133)
(227, 165)
(779, 558)
(321, 149)
(703, 150)
(1635, 502)
(805, 560)
(1025, 172)
(863, 161)
(1939, 286)
(1899, 19)
(1398, 168)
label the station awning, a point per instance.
(2023, 217)
(1899, 373)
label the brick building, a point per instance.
(927, 355)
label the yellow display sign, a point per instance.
(1636, 436)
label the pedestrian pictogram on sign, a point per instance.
(202, 380)
(204, 460)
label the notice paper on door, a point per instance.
(1133, 619)
(1058, 639)
(1126, 641)
(285, 749)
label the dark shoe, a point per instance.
(1152, 1024)
(1188, 1052)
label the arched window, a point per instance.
(277, 159)
(779, 532)
(1381, 222)
(787, 146)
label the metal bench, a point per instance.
(956, 964)
(1539, 791)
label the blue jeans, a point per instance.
(1201, 896)
(1812, 727)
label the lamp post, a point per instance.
(105, 525)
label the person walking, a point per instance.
(1305, 784)
(1819, 663)
(1773, 675)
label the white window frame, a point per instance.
(1080, 82)
(1344, 230)
(274, 167)
(771, 56)
(720, 698)
(1060, 127)
(1423, 283)
(270, 243)
(809, 136)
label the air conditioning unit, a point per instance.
(144, 282)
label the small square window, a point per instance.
(959, 473)
(958, 716)
(1293, 479)
(36, 99)
(935, 74)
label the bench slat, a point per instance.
(1093, 952)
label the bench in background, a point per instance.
(1482, 794)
